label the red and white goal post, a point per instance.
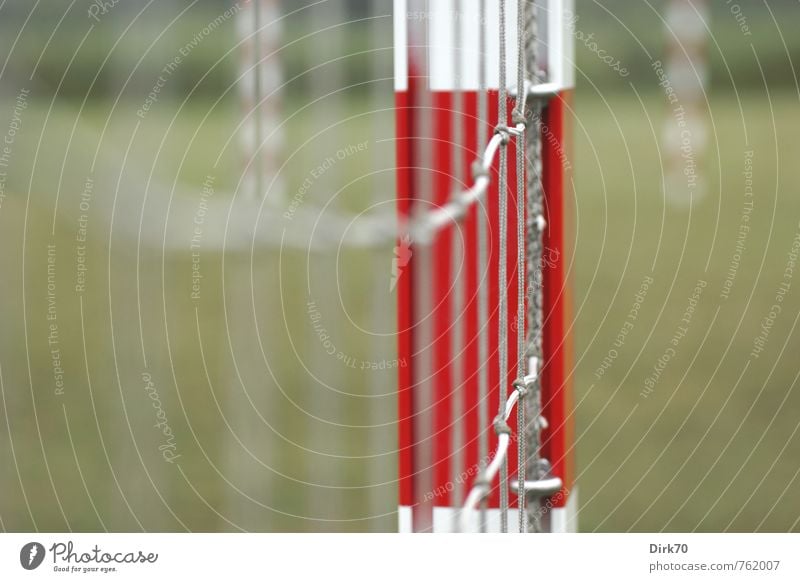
(463, 264)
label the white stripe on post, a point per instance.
(258, 27)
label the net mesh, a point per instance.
(503, 193)
(490, 165)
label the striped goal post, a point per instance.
(258, 25)
(482, 265)
(685, 133)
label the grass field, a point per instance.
(713, 447)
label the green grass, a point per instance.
(699, 451)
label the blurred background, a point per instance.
(179, 352)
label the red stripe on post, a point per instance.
(557, 439)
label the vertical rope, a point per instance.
(483, 270)
(502, 282)
(535, 252)
(257, 86)
(261, 136)
(456, 263)
(379, 465)
(519, 117)
(324, 397)
(422, 266)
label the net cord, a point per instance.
(519, 115)
(483, 273)
(502, 282)
(530, 434)
(456, 264)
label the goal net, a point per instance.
(482, 96)
(299, 289)
(476, 242)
